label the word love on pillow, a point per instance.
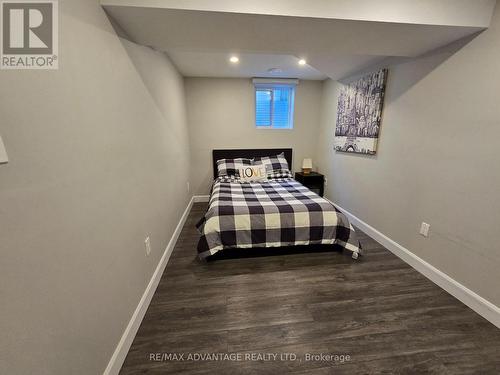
(253, 173)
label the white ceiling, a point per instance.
(216, 64)
(336, 37)
(476, 13)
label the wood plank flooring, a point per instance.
(383, 314)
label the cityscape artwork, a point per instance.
(359, 114)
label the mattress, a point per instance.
(272, 213)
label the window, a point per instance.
(274, 103)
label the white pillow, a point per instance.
(253, 173)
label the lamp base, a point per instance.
(306, 170)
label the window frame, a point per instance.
(271, 85)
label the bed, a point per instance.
(274, 213)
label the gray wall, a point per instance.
(221, 114)
(99, 159)
(437, 161)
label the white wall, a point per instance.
(221, 114)
(437, 161)
(99, 159)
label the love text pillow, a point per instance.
(253, 173)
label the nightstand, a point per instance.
(314, 181)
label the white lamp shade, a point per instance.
(307, 164)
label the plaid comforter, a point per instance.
(278, 212)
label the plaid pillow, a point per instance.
(229, 179)
(279, 173)
(273, 163)
(229, 167)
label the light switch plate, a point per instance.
(3, 154)
(147, 244)
(424, 229)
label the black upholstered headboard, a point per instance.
(249, 153)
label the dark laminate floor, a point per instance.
(382, 313)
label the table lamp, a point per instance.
(307, 166)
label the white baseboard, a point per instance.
(477, 303)
(201, 198)
(120, 353)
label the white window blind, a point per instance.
(274, 103)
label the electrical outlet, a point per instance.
(188, 187)
(147, 245)
(326, 181)
(424, 229)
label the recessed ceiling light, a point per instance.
(302, 62)
(234, 59)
